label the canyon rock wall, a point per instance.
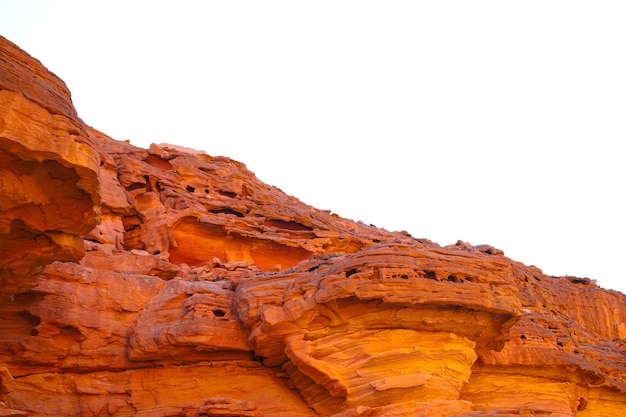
(167, 282)
(49, 182)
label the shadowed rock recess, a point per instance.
(167, 282)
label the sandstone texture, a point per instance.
(167, 282)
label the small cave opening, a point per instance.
(148, 184)
(227, 211)
(218, 312)
(190, 188)
(452, 278)
(225, 193)
(287, 225)
(351, 272)
(430, 275)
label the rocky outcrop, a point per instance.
(49, 172)
(167, 282)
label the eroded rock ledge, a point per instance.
(168, 282)
(49, 172)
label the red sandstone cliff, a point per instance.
(166, 282)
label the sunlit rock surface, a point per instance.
(49, 172)
(168, 282)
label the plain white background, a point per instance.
(493, 122)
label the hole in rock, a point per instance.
(582, 404)
(190, 188)
(351, 272)
(454, 278)
(148, 185)
(227, 211)
(219, 313)
(287, 225)
(230, 194)
(523, 337)
(206, 191)
(430, 275)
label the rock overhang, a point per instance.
(49, 172)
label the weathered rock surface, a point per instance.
(167, 282)
(49, 172)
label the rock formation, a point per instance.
(167, 282)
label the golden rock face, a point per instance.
(167, 282)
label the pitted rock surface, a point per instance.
(169, 282)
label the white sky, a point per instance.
(497, 122)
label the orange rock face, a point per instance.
(167, 282)
(49, 172)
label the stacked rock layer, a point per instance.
(167, 282)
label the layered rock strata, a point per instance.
(49, 172)
(167, 282)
